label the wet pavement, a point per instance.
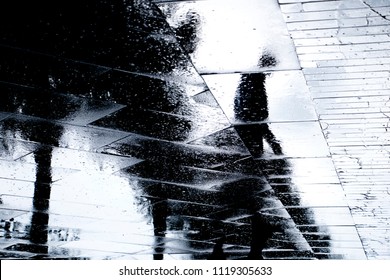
(194, 130)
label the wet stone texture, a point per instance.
(188, 130)
(343, 49)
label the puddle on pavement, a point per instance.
(230, 36)
(272, 97)
(123, 150)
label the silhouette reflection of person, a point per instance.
(250, 103)
(251, 107)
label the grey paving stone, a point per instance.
(176, 168)
(355, 132)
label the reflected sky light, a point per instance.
(226, 24)
(287, 94)
(179, 163)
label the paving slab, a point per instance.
(166, 129)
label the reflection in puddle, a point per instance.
(287, 96)
(160, 164)
(225, 26)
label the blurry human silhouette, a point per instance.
(87, 48)
(251, 108)
(104, 35)
(251, 102)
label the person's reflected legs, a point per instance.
(253, 135)
(218, 253)
(261, 232)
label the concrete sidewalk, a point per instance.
(194, 130)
